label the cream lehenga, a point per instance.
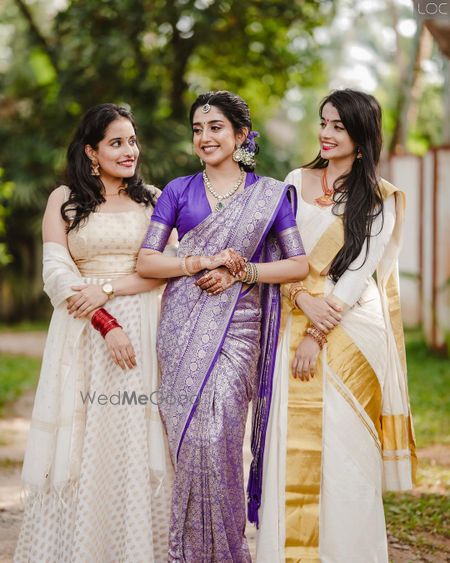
(334, 443)
(97, 476)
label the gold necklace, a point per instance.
(220, 197)
(327, 198)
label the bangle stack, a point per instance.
(318, 336)
(294, 290)
(184, 267)
(104, 322)
(251, 273)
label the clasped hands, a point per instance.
(325, 314)
(226, 268)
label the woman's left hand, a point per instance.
(304, 362)
(87, 298)
(229, 258)
(216, 281)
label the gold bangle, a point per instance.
(247, 270)
(256, 273)
(294, 290)
(318, 335)
(251, 273)
(184, 267)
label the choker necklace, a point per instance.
(327, 198)
(220, 197)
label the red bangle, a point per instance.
(104, 322)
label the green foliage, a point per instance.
(155, 57)
(6, 192)
(429, 389)
(17, 374)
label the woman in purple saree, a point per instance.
(219, 329)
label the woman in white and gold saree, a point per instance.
(340, 427)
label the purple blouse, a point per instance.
(183, 205)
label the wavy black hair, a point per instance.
(357, 195)
(234, 109)
(86, 191)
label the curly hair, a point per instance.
(86, 191)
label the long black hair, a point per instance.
(234, 108)
(357, 195)
(86, 191)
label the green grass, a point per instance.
(418, 521)
(429, 389)
(17, 374)
(25, 326)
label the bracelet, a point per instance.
(251, 273)
(318, 336)
(184, 267)
(104, 322)
(294, 290)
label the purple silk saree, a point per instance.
(216, 354)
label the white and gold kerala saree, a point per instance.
(337, 441)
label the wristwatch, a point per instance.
(108, 289)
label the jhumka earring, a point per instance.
(95, 168)
(244, 156)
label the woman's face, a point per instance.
(117, 153)
(335, 142)
(214, 137)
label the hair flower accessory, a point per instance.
(245, 153)
(250, 144)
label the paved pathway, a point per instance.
(13, 432)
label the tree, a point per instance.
(154, 56)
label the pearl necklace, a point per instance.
(220, 197)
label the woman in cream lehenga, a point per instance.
(340, 428)
(96, 472)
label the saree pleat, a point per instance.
(217, 354)
(209, 491)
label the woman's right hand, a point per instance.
(120, 348)
(229, 258)
(321, 311)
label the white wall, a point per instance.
(405, 175)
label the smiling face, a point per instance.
(117, 153)
(335, 142)
(214, 137)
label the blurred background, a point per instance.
(59, 57)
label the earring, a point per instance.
(237, 154)
(95, 168)
(242, 155)
(202, 163)
(359, 154)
